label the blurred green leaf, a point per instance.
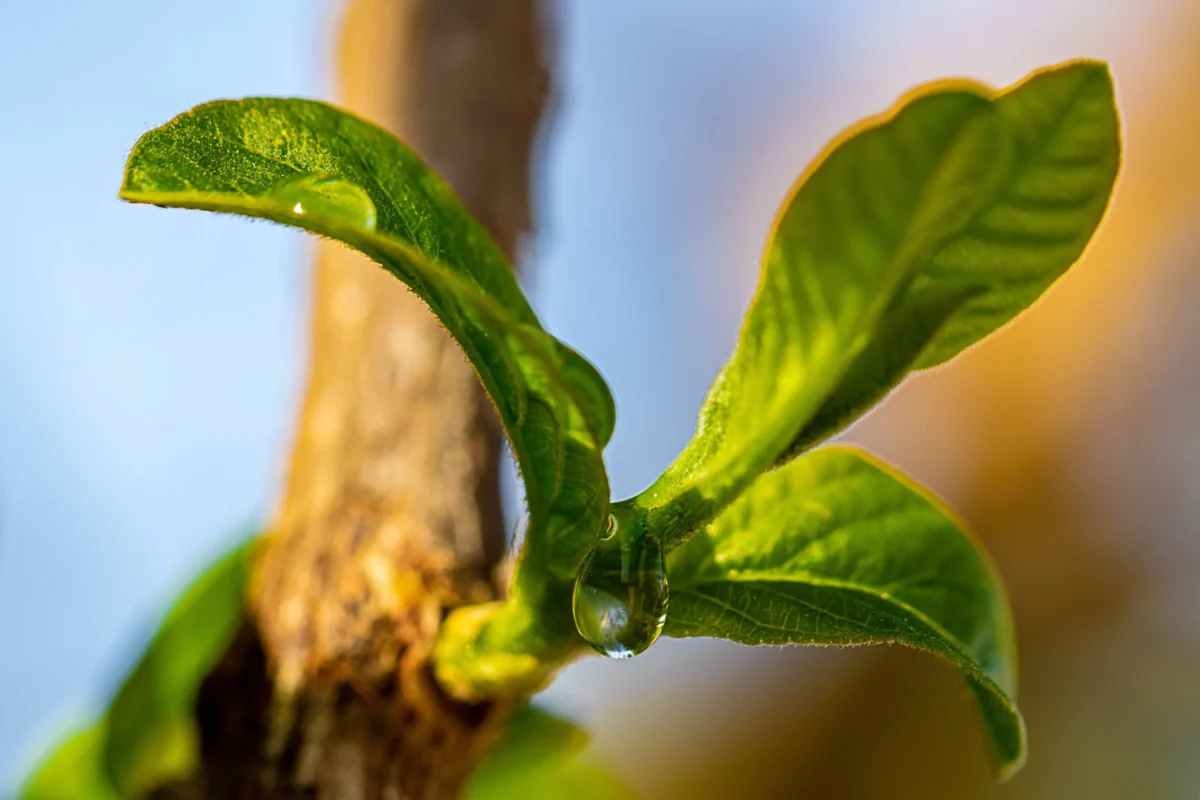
(538, 758)
(74, 770)
(835, 548)
(152, 736)
(532, 736)
(148, 736)
(316, 167)
(887, 195)
(1032, 228)
(576, 779)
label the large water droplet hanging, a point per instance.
(620, 601)
(327, 196)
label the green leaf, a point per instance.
(538, 758)
(152, 737)
(887, 196)
(578, 779)
(316, 167)
(532, 736)
(1067, 154)
(313, 166)
(148, 736)
(74, 770)
(837, 549)
(1035, 225)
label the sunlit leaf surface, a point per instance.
(1033, 227)
(884, 198)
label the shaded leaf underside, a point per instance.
(835, 549)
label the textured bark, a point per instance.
(391, 513)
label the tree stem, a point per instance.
(391, 513)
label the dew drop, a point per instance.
(327, 196)
(620, 601)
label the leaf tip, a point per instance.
(1014, 762)
(1083, 70)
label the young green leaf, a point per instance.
(537, 758)
(532, 736)
(837, 549)
(1067, 153)
(312, 166)
(74, 770)
(148, 737)
(1032, 229)
(151, 735)
(577, 779)
(858, 226)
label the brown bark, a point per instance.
(391, 511)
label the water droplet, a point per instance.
(620, 601)
(327, 196)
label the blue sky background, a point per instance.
(150, 361)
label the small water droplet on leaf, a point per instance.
(620, 601)
(328, 197)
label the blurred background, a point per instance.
(151, 364)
